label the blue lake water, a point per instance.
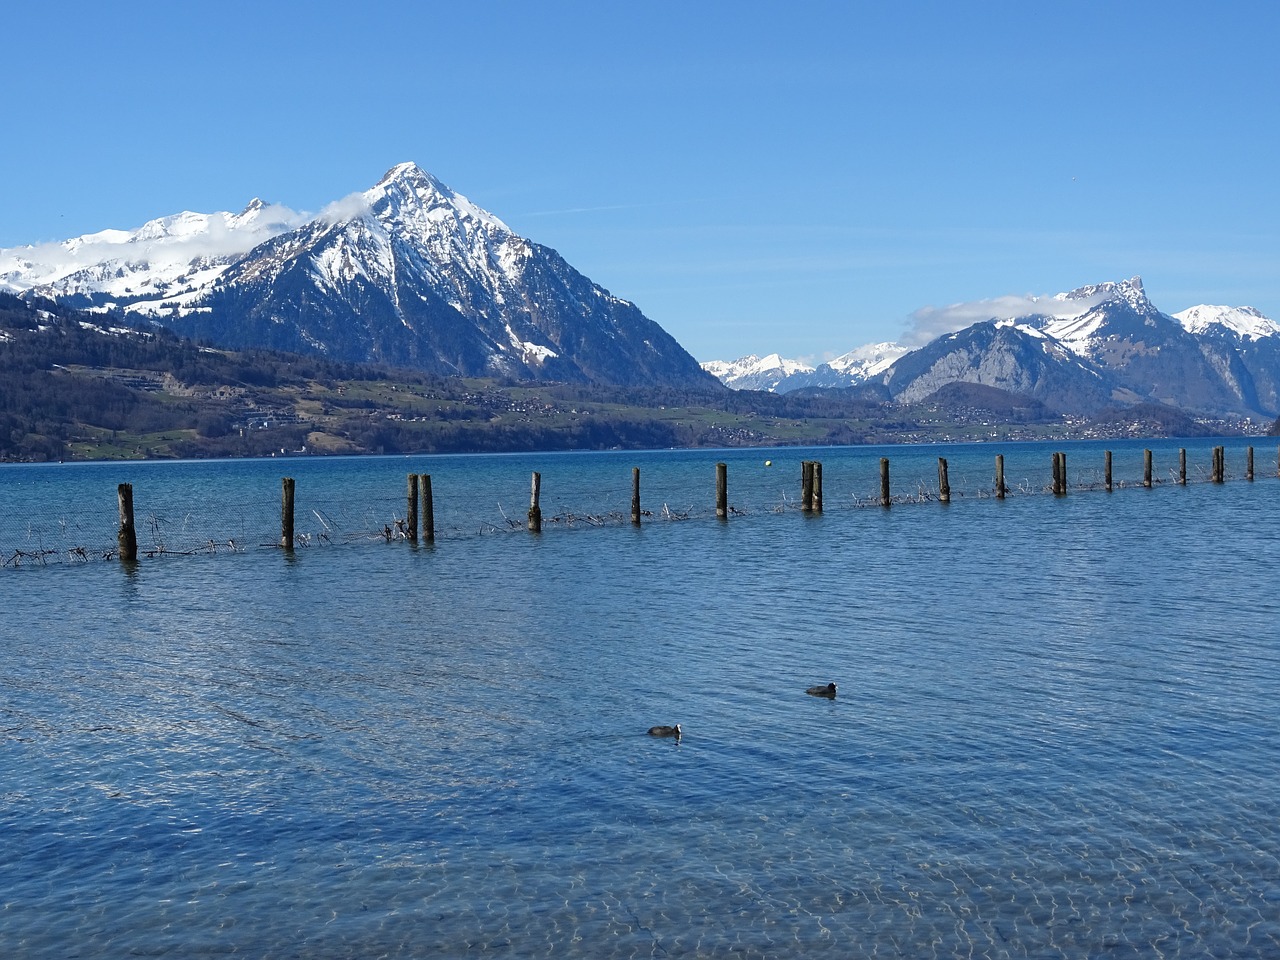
(1055, 733)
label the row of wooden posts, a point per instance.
(421, 503)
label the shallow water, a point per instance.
(1054, 735)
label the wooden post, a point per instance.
(286, 513)
(1248, 463)
(1057, 474)
(635, 495)
(885, 499)
(411, 510)
(1001, 489)
(428, 509)
(806, 486)
(722, 491)
(535, 511)
(817, 486)
(1219, 464)
(1062, 472)
(944, 485)
(1106, 470)
(1182, 466)
(127, 535)
(1146, 469)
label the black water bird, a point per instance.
(665, 731)
(829, 691)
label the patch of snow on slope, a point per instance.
(526, 349)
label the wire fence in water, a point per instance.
(170, 522)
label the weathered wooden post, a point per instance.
(428, 509)
(635, 495)
(1219, 464)
(1106, 469)
(1001, 489)
(127, 535)
(806, 486)
(411, 510)
(944, 485)
(722, 491)
(1182, 466)
(817, 486)
(286, 513)
(1059, 485)
(1248, 463)
(535, 511)
(885, 499)
(1146, 469)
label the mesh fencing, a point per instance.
(168, 523)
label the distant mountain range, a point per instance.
(410, 273)
(407, 273)
(1092, 348)
(777, 375)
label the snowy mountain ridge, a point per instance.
(165, 257)
(1244, 322)
(408, 272)
(1073, 322)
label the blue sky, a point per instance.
(756, 177)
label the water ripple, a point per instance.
(1054, 736)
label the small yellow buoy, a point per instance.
(768, 463)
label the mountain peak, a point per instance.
(410, 174)
(1246, 322)
(408, 190)
(1129, 291)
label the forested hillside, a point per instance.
(85, 386)
(77, 386)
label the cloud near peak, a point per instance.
(929, 323)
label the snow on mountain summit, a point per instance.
(156, 259)
(1090, 309)
(755, 373)
(1130, 291)
(1245, 322)
(168, 263)
(868, 361)
(406, 190)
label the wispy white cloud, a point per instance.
(178, 239)
(929, 323)
(350, 207)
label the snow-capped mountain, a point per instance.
(865, 363)
(756, 373)
(778, 375)
(1245, 322)
(408, 272)
(164, 259)
(1100, 345)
